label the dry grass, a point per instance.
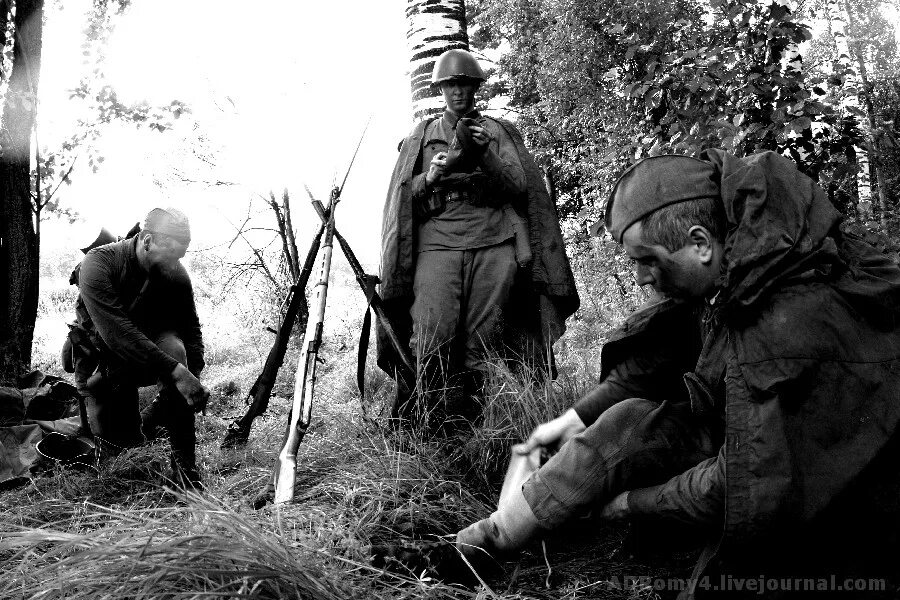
(122, 533)
(194, 549)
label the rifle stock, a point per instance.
(305, 379)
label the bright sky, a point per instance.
(279, 90)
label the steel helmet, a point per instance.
(454, 64)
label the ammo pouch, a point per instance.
(522, 238)
(455, 187)
(430, 206)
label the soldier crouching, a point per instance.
(137, 326)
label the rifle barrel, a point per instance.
(376, 301)
(305, 378)
(239, 431)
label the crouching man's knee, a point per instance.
(171, 344)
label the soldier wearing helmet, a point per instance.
(468, 227)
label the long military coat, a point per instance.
(543, 297)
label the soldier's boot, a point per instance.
(183, 463)
(463, 408)
(404, 407)
(179, 425)
(472, 409)
(153, 420)
(501, 535)
(186, 475)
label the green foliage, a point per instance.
(738, 85)
(99, 106)
(599, 84)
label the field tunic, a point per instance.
(123, 308)
(468, 225)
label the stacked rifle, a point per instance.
(282, 485)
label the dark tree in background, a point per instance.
(18, 242)
(29, 194)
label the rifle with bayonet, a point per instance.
(239, 431)
(305, 379)
(406, 369)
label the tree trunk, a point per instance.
(839, 17)
(870, 126)
(18, 244)
(435, 26)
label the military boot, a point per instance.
(179, 423)
(153, 420)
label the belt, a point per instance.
(468, 196)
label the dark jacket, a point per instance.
(545, 297)
(801, 357)
(122, 308)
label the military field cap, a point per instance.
(653, 183)
(103, 238)
(169, 221)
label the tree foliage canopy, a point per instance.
(599, 84)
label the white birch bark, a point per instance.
(868, 126)
(434, 27)
(838, 21)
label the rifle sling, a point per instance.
(368, 283)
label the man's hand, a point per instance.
(436, 169)
(554, 433)
(481, 136)
(190, 388)
(617, 508)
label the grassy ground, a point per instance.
(123, 533)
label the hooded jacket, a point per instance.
(545, 295)
(801, 357)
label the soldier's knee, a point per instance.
(623, 419)
(172, 345)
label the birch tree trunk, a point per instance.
(435, 26)
(869, 126)
(838, 17)
(18, 242)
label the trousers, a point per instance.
(633, 444)
(114, 412)
(460, 297)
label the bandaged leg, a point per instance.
(507, 530)
(513, 524)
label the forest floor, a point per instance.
(123, 532)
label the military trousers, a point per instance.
(633, 444)
(114, 413)
(460, 298)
